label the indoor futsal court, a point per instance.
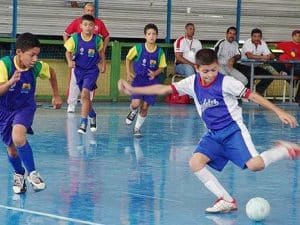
(111, 178)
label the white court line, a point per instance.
(49, 215)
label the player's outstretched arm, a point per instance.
(56, 99)
(157, 89)
(284, 116)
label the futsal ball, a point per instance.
(257, 208)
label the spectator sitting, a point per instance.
(291, 51)
(256, 48)
(228, 53)
(185, 48)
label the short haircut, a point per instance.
(256, 31)
(88, 4)
(27, 41)
(295, 32)
(189, 24)
(88, 18)
(150, 26)
(206, 56)
(231, 28)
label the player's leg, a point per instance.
(73, 92)
(140, 119)
(25, 153)
(282, 150)
(85, 109)
(134, 105)
(19, 183)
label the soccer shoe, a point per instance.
(137, 133)
(82, 128)
(292, 148)
(130, 117)
(71, 108)
(19, 186)
(222, 206)
(93, 124)
(36, 181)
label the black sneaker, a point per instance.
(82, 128)
(130, 117)
(93, 124)
(19, 186)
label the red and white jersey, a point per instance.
(188, 47)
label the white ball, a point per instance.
(258, 209)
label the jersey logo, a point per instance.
(25, 88)
(91, 52)
(12, 87)
(144, 62)
(209, 103)
(152, 63)
(81, 51)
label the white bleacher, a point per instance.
(126, 18)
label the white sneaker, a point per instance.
(222, 206)
(93, 124)
(19, 186)
(137, 133)
(71, 108)
(36, 181)
(292, 148)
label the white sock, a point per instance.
(212, 184)
(274, 154)
(139, 121)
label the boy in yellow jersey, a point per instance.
(17, 107)
(87, 49)
(147, 61)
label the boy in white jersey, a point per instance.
(227, 137)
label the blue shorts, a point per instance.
(150, 99)
(23, 116)
(230, 143)
(86, 78)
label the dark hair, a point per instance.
(27, 41)
(231, 28)
(206, 56)
(295, 32)
(256, 31)
(88, 18)
(150, 26)
(189, 24)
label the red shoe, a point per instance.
(222, 206)
(292, 148)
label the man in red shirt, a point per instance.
(74, 27)
(291, 51)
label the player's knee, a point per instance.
(196, 164)
(255, 164)
(19, 141)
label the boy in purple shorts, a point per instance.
(148, 61)
(87, 49)
(227, 138)
(17, 107)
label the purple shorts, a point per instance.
(23, 116)
(87, 79)
(150, 99)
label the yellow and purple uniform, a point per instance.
(17, 105)
(86, 57)
(144, 60)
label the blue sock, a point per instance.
(83, 120)
(16, 164)
(26, 155)
(92, 113)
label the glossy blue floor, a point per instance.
(111, 178)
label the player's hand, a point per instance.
(57, 102)
(15, 77)
(102, 67)
(71, 64)
(287, 118)
(151, 74)
(124, 87)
